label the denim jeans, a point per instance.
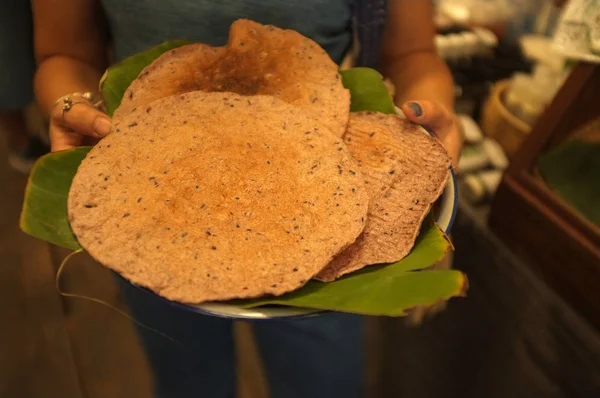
(314, 357)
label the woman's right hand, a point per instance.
(79, 125)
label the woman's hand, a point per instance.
(439, 121)
(79, 124)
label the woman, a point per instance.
(314, 357)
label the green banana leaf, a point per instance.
(44, 213)
(377, 290)
(118, 77)
(572, 170)
(367, 91)
(384, 290)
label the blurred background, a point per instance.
(527, 235)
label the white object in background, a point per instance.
(517, 93)
(572, 38)
(490, 12)
(594, 24)
(539, 49)
(495, 153)
(487, 39)
(471, 131)
(441, 45)
(470, 42)
(465, 45)
(472, 158)
(527, 96)
(482, 185)
(534, 104)
(543, 74)
(573, 34)
(455, 10)
(511, 101)
(455, 47)
(547, 80)
(480, 12)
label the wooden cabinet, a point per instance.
(557, 241)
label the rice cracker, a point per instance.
(258, 60)
(405, 172)
(216, 196)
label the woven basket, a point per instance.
(499, 124)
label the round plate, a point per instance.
(446, 213)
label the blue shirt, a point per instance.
(136, 25)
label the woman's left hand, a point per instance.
(438, 120)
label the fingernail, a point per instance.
(102, 126)
(416, 108)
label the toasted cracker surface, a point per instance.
(405, 171)
(215, 196)
(258, 60)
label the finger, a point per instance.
(431, 115)
(84, 119)
(62, 138)
(438, 121)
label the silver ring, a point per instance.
(67, 104)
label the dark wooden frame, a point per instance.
(562, 246)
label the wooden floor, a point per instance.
(33, 335)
